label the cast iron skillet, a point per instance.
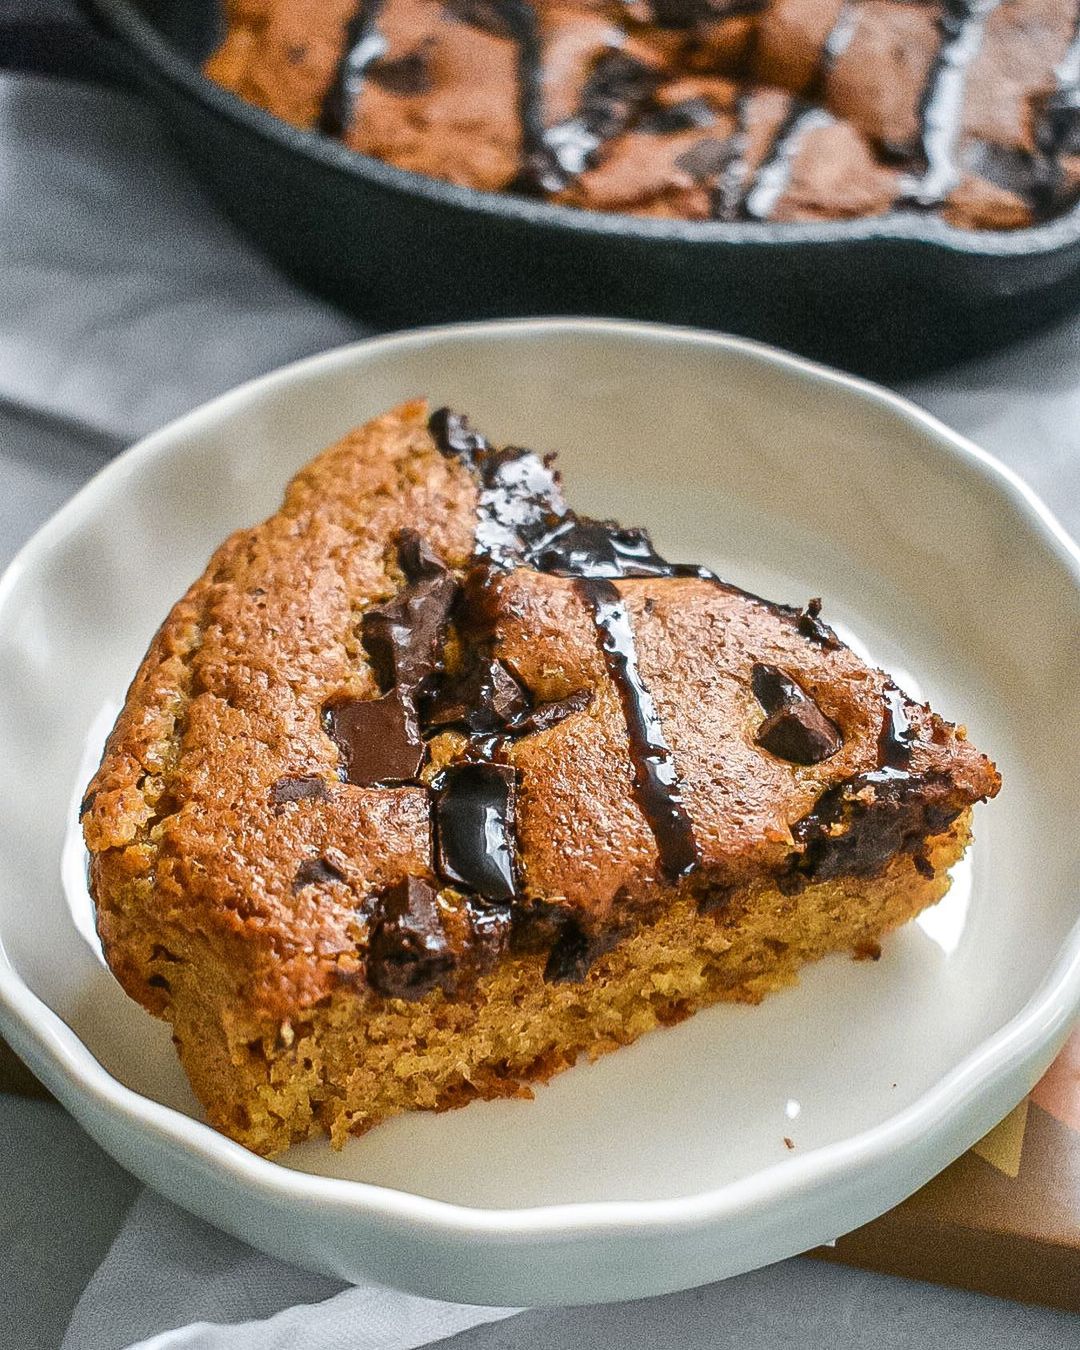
(888, 297)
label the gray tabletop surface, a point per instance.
(124, 300)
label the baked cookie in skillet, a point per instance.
(756, 110)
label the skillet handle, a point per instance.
(51, 37)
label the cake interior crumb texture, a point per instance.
(430, 786)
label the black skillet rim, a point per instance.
(929, 231)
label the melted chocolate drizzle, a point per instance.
(539, 171)
(962, 24)
(898, 733)
(1058, 129)
(364, 44)
(686, 115)
(520, 506)
(731, 185)
(762, 195)
(616, 89)
(580, 547)
(656, 784)
(774, 173)
(524, 521)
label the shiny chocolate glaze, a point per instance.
(363, 45)
(474, 829)
(962, 24)
(656, 782)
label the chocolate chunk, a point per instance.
(404, 636)
(898, 733)
(801, 734)
(379, 739)
(482, 700)
(574, 952)
(408, 953)
(772, 688)
(489, 932)
(474, 828)
(682, 116)
(614, 90)
(580, 547)
(452, 434)
(87, 804)
(860, 825)
(614, 87)
(570, 957)
(1014, 170)
(708, 158)
(416, 559)
(690, 13)
(499, 698)
(550, 714)
(810, 626)
(405, 75)
(306, 787)
(795, 729)
(316, 872)
(487, 15)
(1059, 129)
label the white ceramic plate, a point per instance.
(665, 1165)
